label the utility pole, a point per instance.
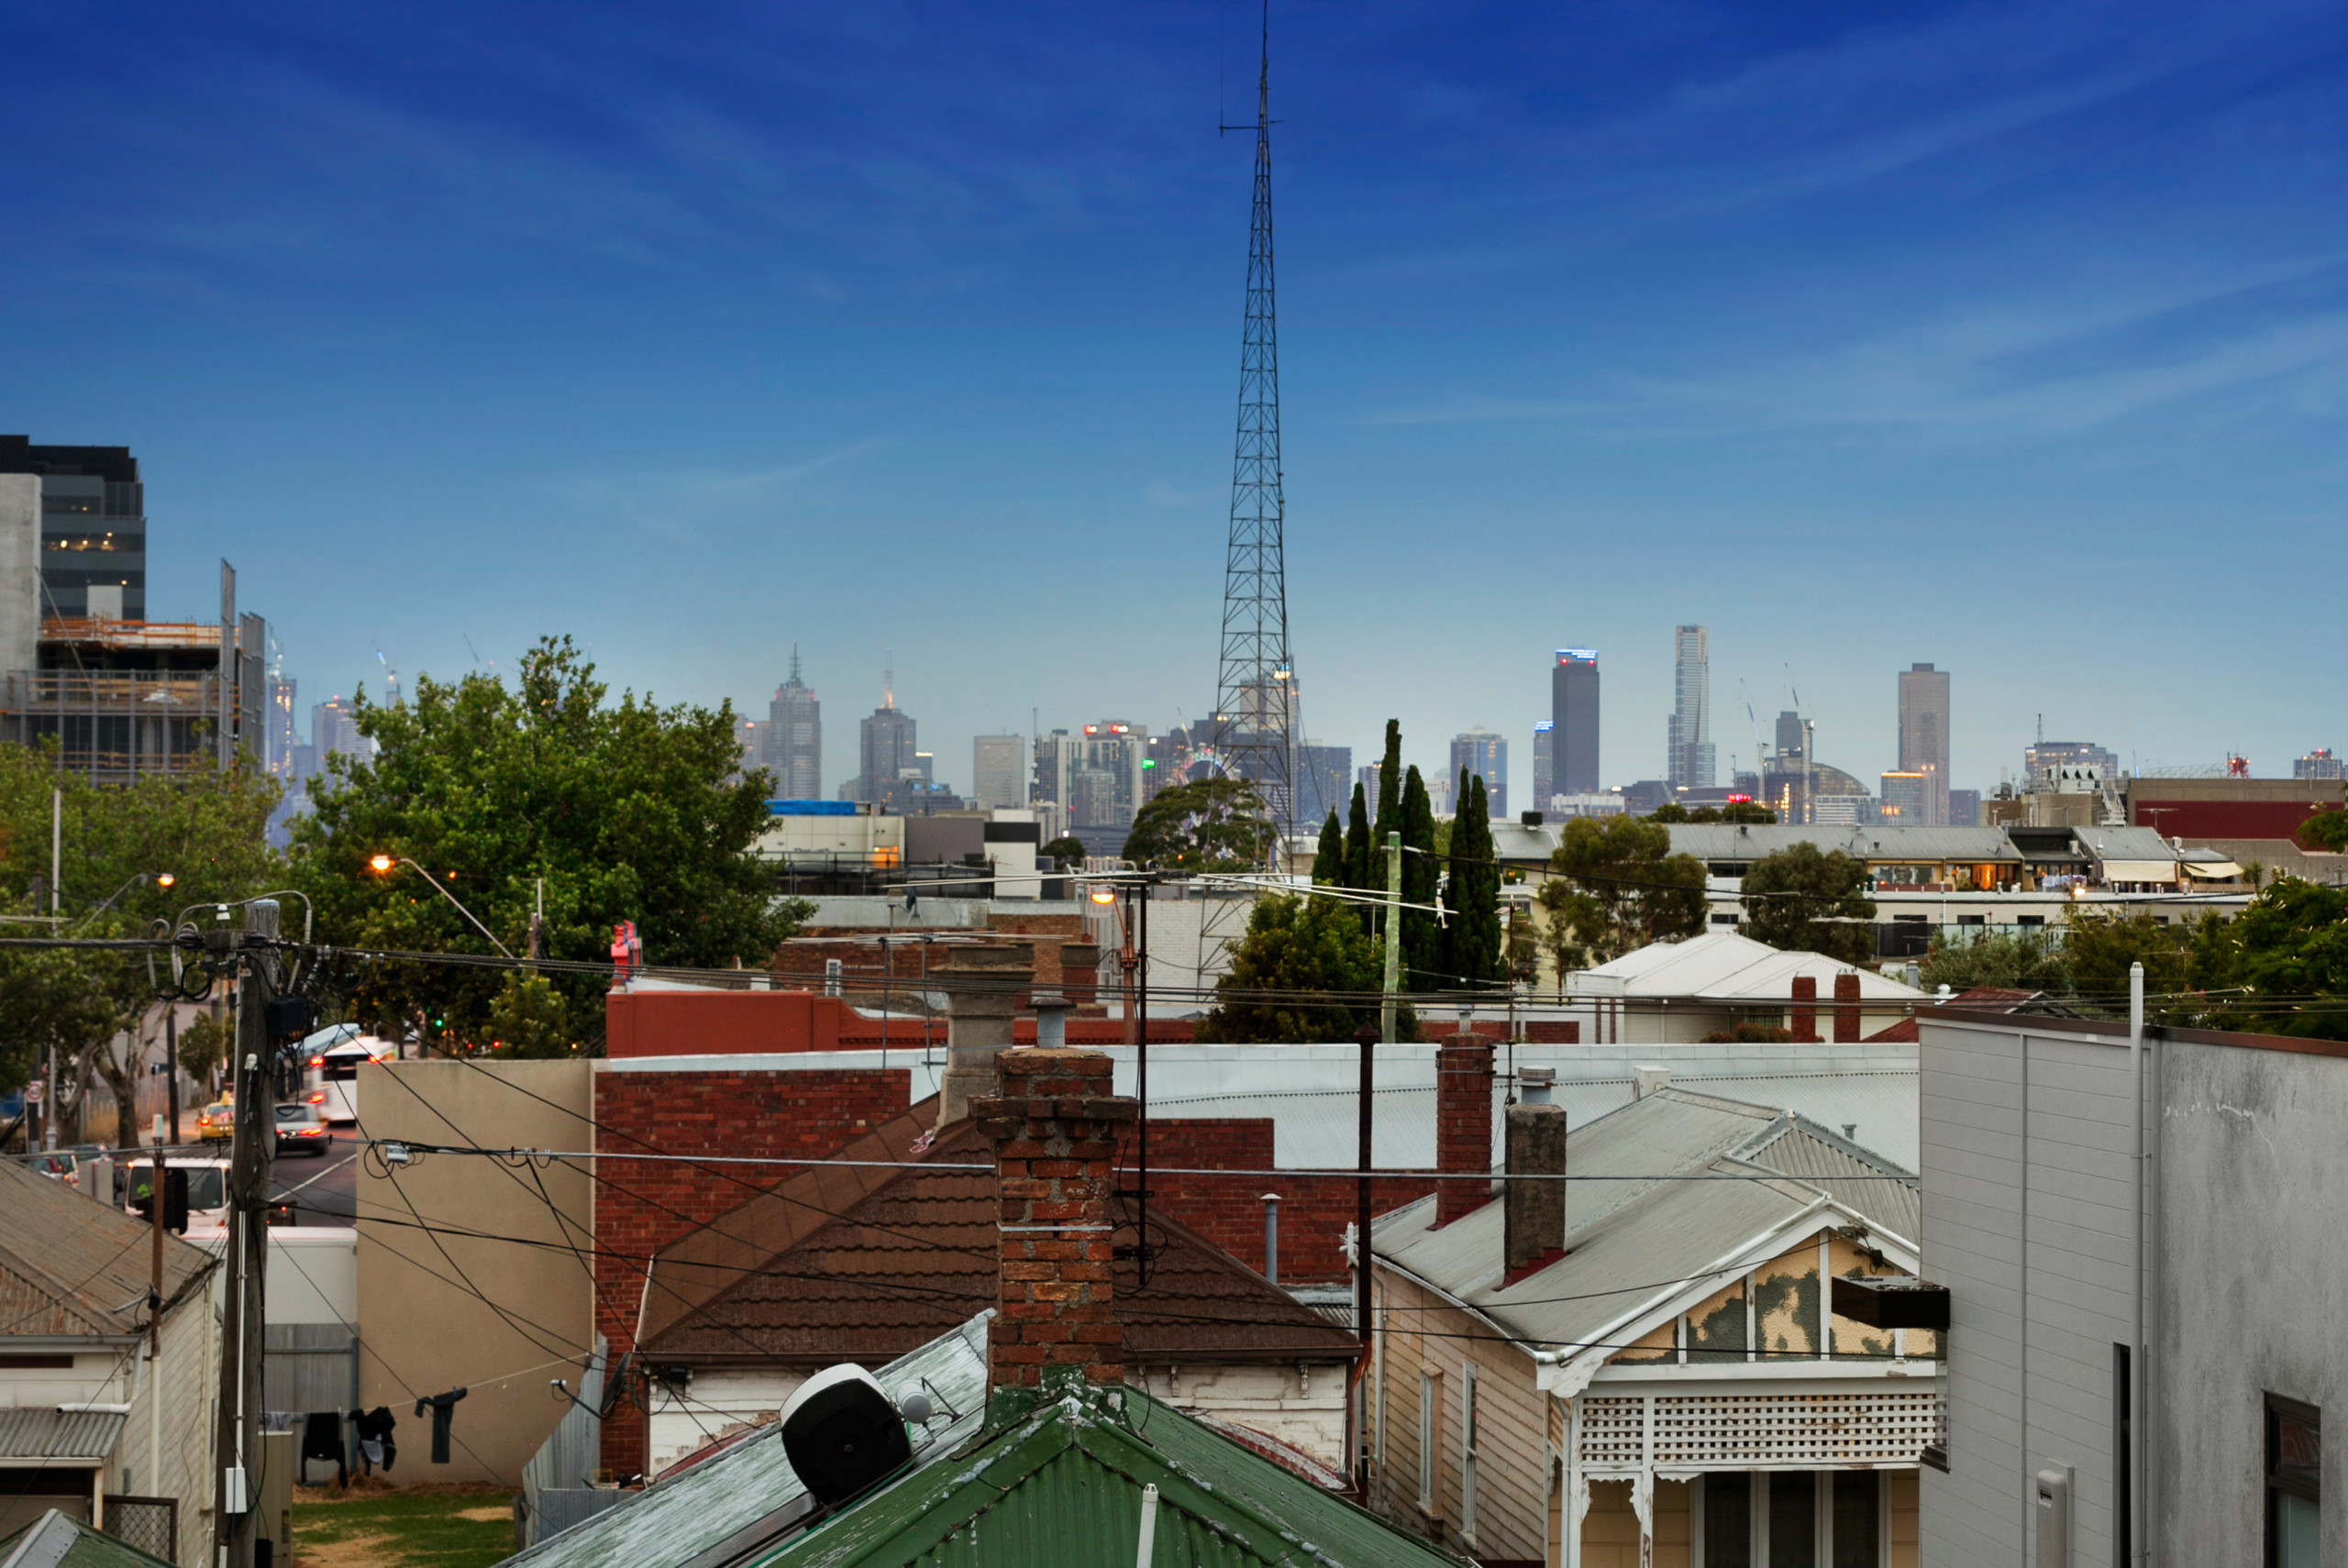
(1367, 1040)
(158, 1188)
(1393, 934)
(172, 1065)
(254, 1154)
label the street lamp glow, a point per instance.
(165, 879)
(1104, 895)
(381, 862)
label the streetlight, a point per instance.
(381, 864)
(161, 880)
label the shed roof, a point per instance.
(2139, 844)
(816, 1272)
(72, 1267)
(736, 1502)
(1629, 1238)
(1058, 1478)
(44, 1431)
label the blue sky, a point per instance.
(2013, 337)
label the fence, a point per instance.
(150, 1524)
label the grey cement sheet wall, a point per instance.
(2026, 1149)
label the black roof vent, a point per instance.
(842, 1434)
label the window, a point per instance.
(1793, 1517)
(1728, 1519)
(1972, 919)
(1430, 1431)
(1858, 1497)
(2029, 920)
(1468, 1451)
(2294, 1482)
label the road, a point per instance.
(326, 1186)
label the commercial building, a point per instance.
(1924, 720)
(333, 730)
(1543, 765)
(794, 738)
(1323, 783)
(1914, 799)
(2045, 762)
(1573, 717)
(998, 771)
(2140, 1246)
(885, 753)
(93, 562)
(2319, 764)
(1689, 761)
(1483, 753)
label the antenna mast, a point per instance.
(1254, 730)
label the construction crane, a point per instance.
(391, 680)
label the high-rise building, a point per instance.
(279, 735)
(334, 729)
(1964, 808)
(1059, 756)
(2319, 763)
(1544, 784)
(1688, 757)
(885, 749)
(1789, 738)
(1915, 798)
(1119, 752)
(92, 528)
(794, 738)
(998, 771)
(1324, 784)
(1366, 779)
(1924, 719)
(1573, 714)
(749, 746)
(1484, 754)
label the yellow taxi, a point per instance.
(216, 1122)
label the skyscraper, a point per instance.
(1323, 783)
(1484, 754)
(885, 749)
(1573, 714)
(1689, 759)
(795, 739)
(998, 771)
(1923, 734)
(334, 729)
(92, 528)
(1543, 764)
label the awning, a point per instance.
(2213, 870)
(2140, 870)
(52, 1434)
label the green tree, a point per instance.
(1329, 860)
(1750, 812)
(1358, 851)
(1475, 943)
(1208, 824)
(1066, 849)
(2097, 950)
(203, 1046)
(1303, 972)
(530, 1019)
(625, 810)
(1390, 792)
(2281, 966)
(1802, 901)
(1669, 812)
(1632, 889)
(2328, 828)
(2020, 960)
(1421, 875)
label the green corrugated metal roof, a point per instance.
(1056, 1478)
(57, 1540)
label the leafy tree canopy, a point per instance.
(1304, 972)
(2281, 966)
(1800, 900)
(1067, 849)
(2020, 960)
(1624, 887)
(1207, 824)
(625, 810)
(2328, 829)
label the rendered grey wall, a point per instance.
(2253, 1300)
(2025, 1168)
(19, 572)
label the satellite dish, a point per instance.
(842, 1434)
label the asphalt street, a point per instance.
(326, 1186)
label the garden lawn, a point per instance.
(425, 1527)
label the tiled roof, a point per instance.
(843, 1264)
(68, 1263)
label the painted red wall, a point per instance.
(719, 1118)
(2196, 820)
(720, 1023)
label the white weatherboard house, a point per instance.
(1686, 990)
(1655, 1376)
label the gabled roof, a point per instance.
(57, 1540)
(1721, 965)
(1058, 1478)
(1633, 1239)
(73, 1267)
(736, 1502)
(862, 1263)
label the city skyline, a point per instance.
(1684, 338)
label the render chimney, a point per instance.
(1463, 1125)
(1534, 1220)
(19, 573)
(984, 986)
(1847, 1007)
(1054, 1126)
(1805, 1011)
(1051, 1020)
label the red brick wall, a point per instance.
(721, 1118)
(1229, 1210)
(1463, 1123)
(719, 1023)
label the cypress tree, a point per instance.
(1329, 861)
(1357, 854)
(1480, 946)
(1456, 957)
(1389, 793)
(1422, 934)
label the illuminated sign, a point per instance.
(1544, 725)
(1740, 799)
(1587, 656)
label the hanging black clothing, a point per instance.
(375, 1444)
(322, 1440)
(441, 1405)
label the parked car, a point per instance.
(301, 1130)
(216, 1122)
(57, 1164)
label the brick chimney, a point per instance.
(1847, 1007)
(1463, 1125)
(1534, 1221)
(1805, 1019)
(1054, 1126)
(983, 984)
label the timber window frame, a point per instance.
(1430, 1440)
(1468, 1451)
(2294, 1490)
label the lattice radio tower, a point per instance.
(1255, 721)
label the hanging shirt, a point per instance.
(441, 1405)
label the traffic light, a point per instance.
(174, 1196)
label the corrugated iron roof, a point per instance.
(799, 1276)
(44, 1431)
(72, 1265)
(693, 1515)
(1057, 1479)
(1873, 842)
(1721, 965)
(56, 1540)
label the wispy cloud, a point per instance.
(693, 506)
